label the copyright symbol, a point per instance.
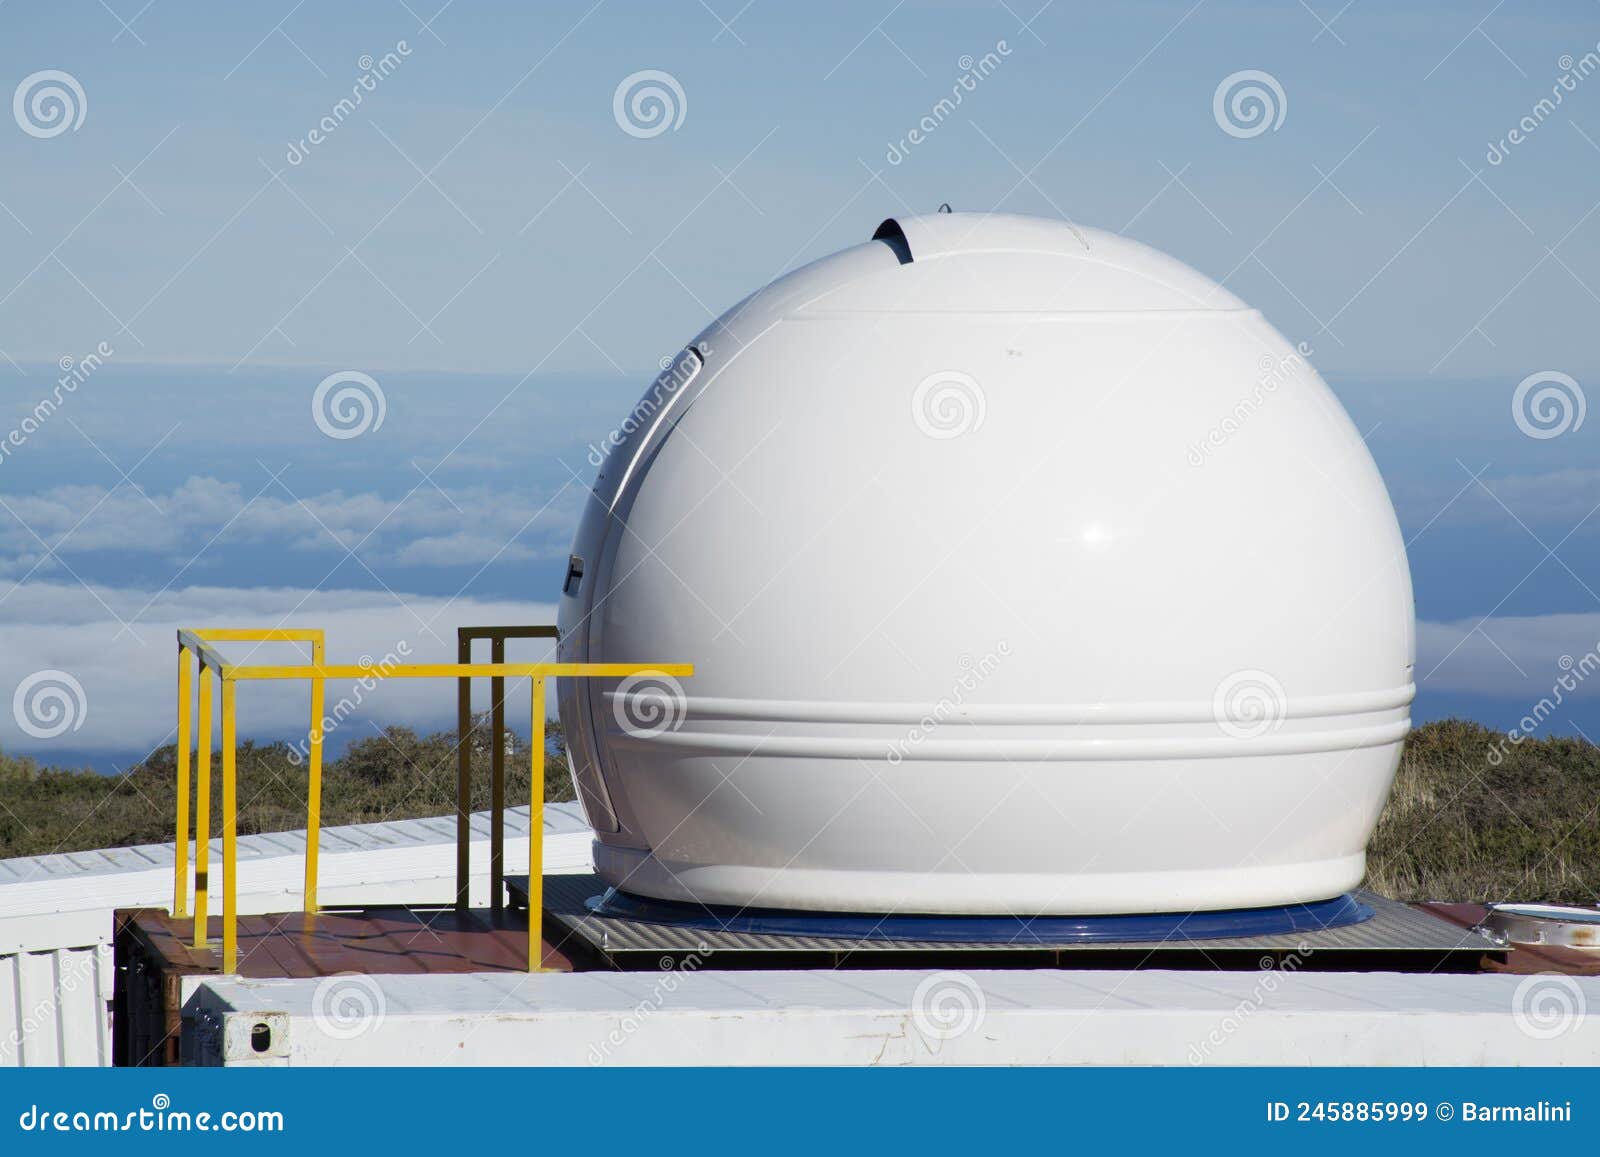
(1445, 1111)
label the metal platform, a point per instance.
(155, 958)
(1398, 937)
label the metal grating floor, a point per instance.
(1398, 934)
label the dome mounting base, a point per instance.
(1133, 928)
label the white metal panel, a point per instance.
(89, 870)
(903, 1017)
(53, 1007)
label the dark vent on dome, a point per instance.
(894, 237)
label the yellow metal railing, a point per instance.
(195, 651)
(194, 645)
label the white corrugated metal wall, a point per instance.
(54, 1007)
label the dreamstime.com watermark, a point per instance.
(1249, 704)
(973, 673)
(1267, 983)
(649, 703)
(1547, 404)
(633, 1020)
(947, 1005)
(347, 1005)
(49, 703)
(372, 73)
(348, 705)
(973, 73)
(158, 1117)
(676, 373)
(1548, 1005)
(649, 102)
(48, 103)
(1572, 73)
(74, 373)
(347, 404)
(1248, 103)
(1574, 673)
(948, 404)
(1275, 371)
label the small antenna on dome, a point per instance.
(945, 208)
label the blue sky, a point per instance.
(484, 238)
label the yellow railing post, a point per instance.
(497, 778)
(202, 811)
(314, 777)
(536, 834)
(180, 850)
(230, 836)
(199, 643)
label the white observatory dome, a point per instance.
(1024, 570)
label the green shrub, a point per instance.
(1473, 817)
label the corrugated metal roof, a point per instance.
(559, 818)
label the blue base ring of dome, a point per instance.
(1317, 916)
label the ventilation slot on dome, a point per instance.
(894, 237)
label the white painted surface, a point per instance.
(56, 911)
(865, 1018)
(53, 1007)
(983, 616)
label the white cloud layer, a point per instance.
(1552, 499)
(129, 677)
(465, 526)
(1510, 658)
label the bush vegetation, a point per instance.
(1474, 817)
